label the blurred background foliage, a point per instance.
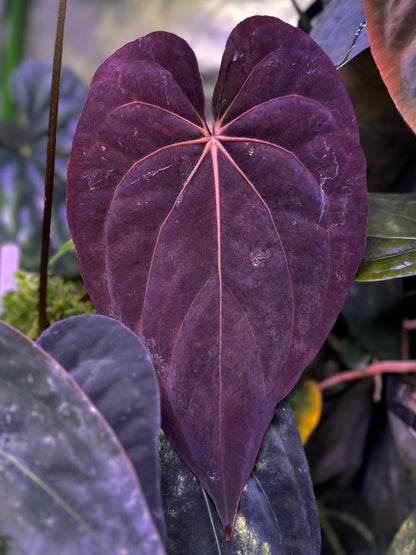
(360, 437)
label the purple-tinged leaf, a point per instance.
(66, 486)
(113, 368)
(229, 252)
(391, 28)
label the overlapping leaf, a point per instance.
(277, 513)
(229, 251)
(113, 368)
(391, 28)
(65, 485)
(391, 241)
(340, 30)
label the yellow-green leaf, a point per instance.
(306, 403)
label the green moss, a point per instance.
(65, 298)
(5, 542)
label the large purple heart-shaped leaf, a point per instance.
(229, 250)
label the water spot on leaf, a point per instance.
(212, 475)
(258, 257)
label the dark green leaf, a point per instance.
(112, 366)
(353, 355)
(391, 242)
(277, 513)
(340, 30)
(374, 316)
(65, 484)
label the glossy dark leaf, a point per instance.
(65, 484)
(113, 368)
(391, 28)
(229, 252)
(391, 241)
(340, 30)
(277, 513)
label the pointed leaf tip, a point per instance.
(228, 531)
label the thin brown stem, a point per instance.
(50, 164)
(383, 367)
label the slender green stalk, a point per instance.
(15, 27)
(50, 164)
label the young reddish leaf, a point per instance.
(229, 252)
(391, 29)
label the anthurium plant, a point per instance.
(218, 257)
(228, 250)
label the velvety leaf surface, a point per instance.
(277, 513)
(391, 28)
(65, 484)
(391, 241)
(112, 366)
(340, 30)
(228, 251)
(23, 159)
